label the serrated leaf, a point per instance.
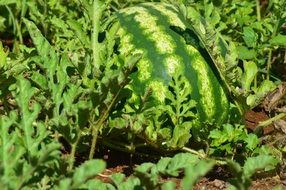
(130, 183)
(145, 167)
(279, 40)
(9, 159)
(117, 178)
(87, 170)
(253, 164)
(163, 164)
(194, 171)
(235, 168)
(250, 37)
(64, 184)
(77, 27)
(99, 185)
(28, 113)
(252, 141)
(181, 161)
(181, 135)
(40, 80)
(45, 50)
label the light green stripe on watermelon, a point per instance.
(170, 12)
(173, 63)
(207, 96)
(147, 27)
(148, 23)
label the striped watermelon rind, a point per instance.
(148, 29)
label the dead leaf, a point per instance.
(275, 98)
(280, 125)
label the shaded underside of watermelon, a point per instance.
(152, 30)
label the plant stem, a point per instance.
(73, 150)
(126, 148)
(95, 129)
(258, 10)
(268, 64)
(271, 120)
(105, 113)
(262, 124)
(96, 16)
(201, 155)
(19, 33)
(97, 125)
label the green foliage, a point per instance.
(82, 176)
(240, 148)
(65, 90)
(150, 175)
(176, 117)
(231, 138)
(26, 152)
(243, 173)
(173, 167)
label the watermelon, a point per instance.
(157, 31)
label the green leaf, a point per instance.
(251, 100)
(235, 168)
(64, 184)
(180, 161)
(245, 53)
(7, 2)
(169, 185)
(77, 27)
(250, 37)
(40, 80)
(227, 134)
(29, 114)
(252, 141)
(2, 25)
(97, 184)
(117, 178)
(264, 88)
(250, 71)
(3, 56)
(9, 160)
(279, 40)
(86, 171)
(194, 171)
(163, 164)
(28, 137)
(253, 164)
(145, 167)
(45, 50)
(131, 183)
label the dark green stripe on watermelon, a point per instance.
(162, 43)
